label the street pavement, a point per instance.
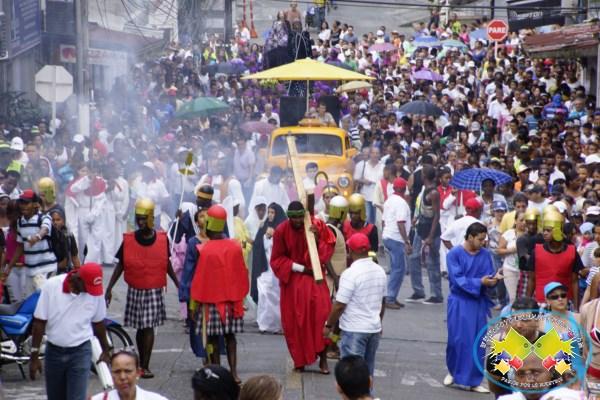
(410, 363)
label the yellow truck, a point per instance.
(329, 147)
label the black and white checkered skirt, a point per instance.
(214, 325)
(145, 308)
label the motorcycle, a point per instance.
(16, 321)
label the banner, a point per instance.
(529, 14)
(26, 26)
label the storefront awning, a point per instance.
(571, 41)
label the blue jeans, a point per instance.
(67, 371)
(371, 212)
(360, 344)
(397, 268)
(433, 268)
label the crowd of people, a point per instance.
(70, 204)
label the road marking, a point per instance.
(293, 380)
(167, 350)
(411, 380)
(378, 373)
(24, 393)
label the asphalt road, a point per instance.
(410, 362)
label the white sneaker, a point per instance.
(480, 389)
(448, 380)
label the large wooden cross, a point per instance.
(310, 237)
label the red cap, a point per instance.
(473, 204)
(217, 211)
(359, 242)
(400, 184)
(27, 195)
(91, 274)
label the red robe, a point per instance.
(305, 304)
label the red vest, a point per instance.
(384, 186)
(349, 230)
(145, 266)
(221, 274)
(553, 267)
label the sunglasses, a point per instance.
(558, 296)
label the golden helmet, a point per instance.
(47, 190)
(338, 208)
(550, 208)
(532, 214)
(145, 207)
(555, 221)
(357, 203)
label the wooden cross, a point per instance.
(310, 237)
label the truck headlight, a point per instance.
(343, 181)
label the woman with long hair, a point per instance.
(265, 288)
(507, 249)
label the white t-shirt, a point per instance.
(395, 209)
(510, 261)
(457, 229)
(69, 317)
(362, 288)
(140, 394)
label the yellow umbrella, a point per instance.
(354, 85)
(309, 70)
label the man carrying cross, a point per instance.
(305, 303)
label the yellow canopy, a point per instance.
(309, 70)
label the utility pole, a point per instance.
(83, 76)
(493, 9)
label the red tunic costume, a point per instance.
(221, 276)
(305, 304)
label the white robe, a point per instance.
(268, 312)
(274, 193)
(95, 218)
(118, 198)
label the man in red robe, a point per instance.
(305, 304)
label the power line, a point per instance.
(100, 14)
(133, 22)
(370, 4)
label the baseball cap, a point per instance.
(593, 210)
(150, 165)
(359, 242)
(91, 274)
(552, 286)
(28, 195)
(473, 204)
(78, 138)
(499, 205)
(586, 227)
(399, 183)
(17, 144)
(523, 168)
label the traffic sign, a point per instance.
(54, 83)
(497, 30)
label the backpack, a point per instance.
(56, 240)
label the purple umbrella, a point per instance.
(427, 75)
(381, 47)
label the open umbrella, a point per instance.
(454, 43)
(426, 41)
(381, 47)
(352, 86)
(477, 34)
(201, 107)
(257, 126)
(427, 75)
(420, 107)
(470, 179)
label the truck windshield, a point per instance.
(310, 143)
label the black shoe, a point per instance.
(434, 300)
(393, 306)
(415, 298)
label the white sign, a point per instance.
(54, 83)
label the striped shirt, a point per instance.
(39, 258)
(362, 288)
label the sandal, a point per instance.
(147, 374)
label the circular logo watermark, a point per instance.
(531, 352)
